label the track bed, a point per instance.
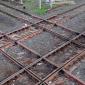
(64, 54)
(20, 34)
(7, 67)
(64, 32)
(77, 67)
(9, 24)
(62, 79)
(22, 79)
(76, 23)
(42, 68)
(44, 42)
(23, 16)
(19, 53)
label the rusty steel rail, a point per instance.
(80, 81)
(78, 58)
(6, 81)
(60, 74)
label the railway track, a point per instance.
(76, 20)
(14, 12)
(34, 19)
(41, 20)
(68, 15)
(71, 19)
(31, 56)
(9, 24)
(76, 66)
(63, 77)
(40, 61)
